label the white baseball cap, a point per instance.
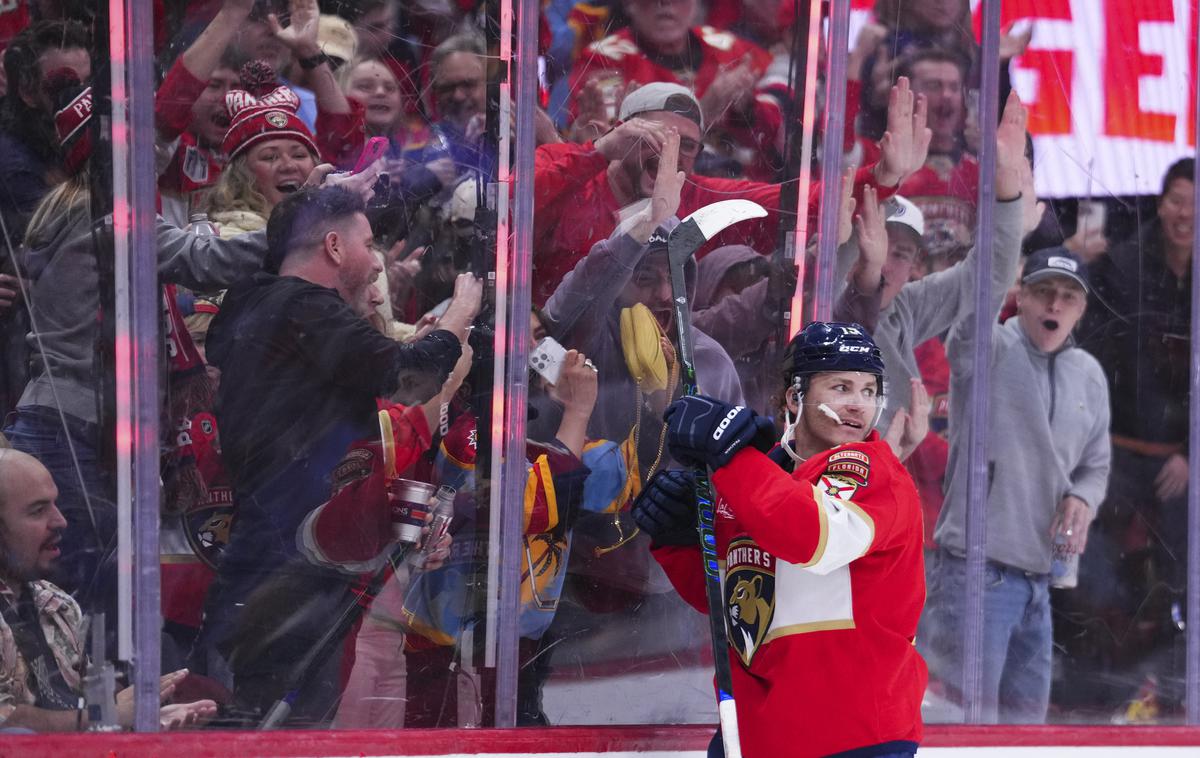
(900, 210)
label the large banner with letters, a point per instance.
(1111, 86)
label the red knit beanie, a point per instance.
(263, 111)
(72, 111)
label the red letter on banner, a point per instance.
(1125, 63)
(1191, 73)
(1050, 113)
(1050, 110)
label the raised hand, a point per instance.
(403, 268)
(596, 104)
(630, 136)
(577, 384)
(1010, 148)
(1012, 45)
(869, 37)
(468, 290)
(300, 35)
(444, 169)
(905, 144)
(730, 91)
(847, 207)
(872, 243)
(1014, 175)
(668, 182)
(362, 183)
(464, 305)
(909, 427)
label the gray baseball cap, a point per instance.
(662, 96)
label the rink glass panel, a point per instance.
(1109, 650)
(614, 644)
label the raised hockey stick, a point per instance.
(685, 240)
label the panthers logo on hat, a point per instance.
(749, 596)
(277, 119)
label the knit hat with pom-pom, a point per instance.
(263, 110)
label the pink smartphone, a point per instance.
(373, 151)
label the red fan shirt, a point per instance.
(574, 208)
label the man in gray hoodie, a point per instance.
(628, 268)
(1048, 470)
(901, 314)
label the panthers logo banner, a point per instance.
(749, 595)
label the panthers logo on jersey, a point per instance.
(207, 526)
(749, 596)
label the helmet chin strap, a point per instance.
(789, 435)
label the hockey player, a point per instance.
(823, 577)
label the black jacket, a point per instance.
(1137, 325)
(297, 364)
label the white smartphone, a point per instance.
(547, 359)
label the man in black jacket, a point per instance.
(301, 371)
(1138, 327)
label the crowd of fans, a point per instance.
(327, 345)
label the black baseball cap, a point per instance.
(1054, 261)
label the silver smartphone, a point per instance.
(547, 359)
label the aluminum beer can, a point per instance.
(1064, 566)
(410, 503)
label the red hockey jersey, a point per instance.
(824, 582)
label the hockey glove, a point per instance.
(666, 509)
(702, 431)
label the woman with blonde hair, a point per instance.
(270, 150)
(61, 417)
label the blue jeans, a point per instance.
(1017, 637)
(87, 566)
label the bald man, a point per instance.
(41, 627)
